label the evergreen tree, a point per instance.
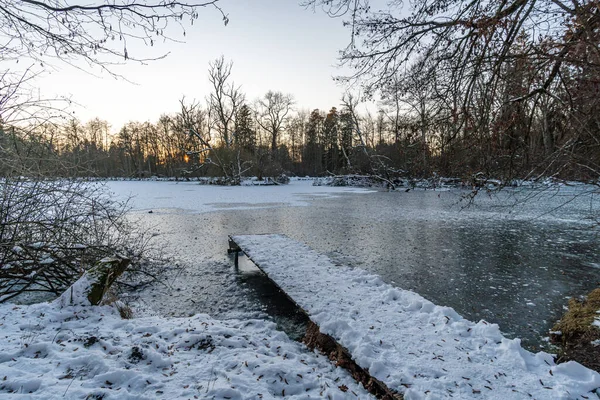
(330, 140)
(245, 134)
(313, 149)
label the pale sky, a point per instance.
(274, 45)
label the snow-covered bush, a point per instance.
(282, 179)
(346, 180)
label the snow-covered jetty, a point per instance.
(413, 346)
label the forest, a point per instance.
(412, 134)
(457, 89)
(515, 118)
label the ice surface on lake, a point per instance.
(422, 240)
(193, 197)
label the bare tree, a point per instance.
(225, 100)
(53, 230)
(479, 36)
(377, 164)
(272, 112)
(468, 50)
(227, 160)
(97, 33)
(225, 104)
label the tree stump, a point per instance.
(94, 283)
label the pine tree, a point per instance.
(313, 149)
(330, 140)
(245, 134)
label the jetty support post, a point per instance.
(234, 248)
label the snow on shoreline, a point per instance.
(413, 346)
(48, 352)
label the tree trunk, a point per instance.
(273, 141)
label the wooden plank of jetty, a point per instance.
(314, 338)
(405, 343)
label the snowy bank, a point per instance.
(48, 352)
(411, 345)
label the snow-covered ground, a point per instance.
(193, 197)
(415, 347)
(48, 352)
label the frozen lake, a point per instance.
(512, 265)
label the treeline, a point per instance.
(417, 131)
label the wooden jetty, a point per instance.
(314, 338)
(399, 344)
